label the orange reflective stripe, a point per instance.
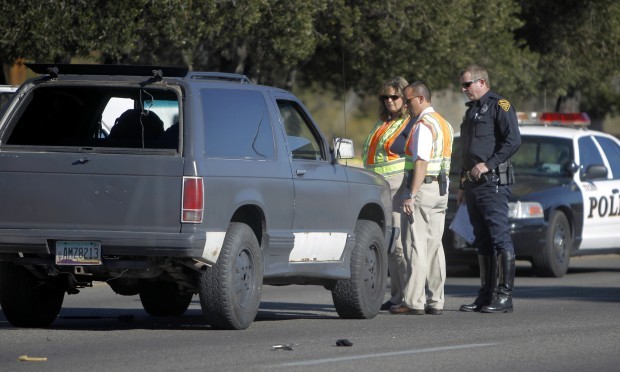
(435, 122)
(372, 150)
(377, 154)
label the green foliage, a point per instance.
(43, 30)
(578, 43)
(565, 47)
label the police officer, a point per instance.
(489, 136)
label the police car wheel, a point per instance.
(554, 260)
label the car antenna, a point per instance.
(344, 94)
(344, 98)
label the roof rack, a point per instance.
(574, 119)
(92, 69)
(221, 76)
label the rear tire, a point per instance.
(555, 258)
(164, 298)
(26, 301)
(125, 286)
(361, 296)
(230, 290)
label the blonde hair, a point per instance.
(477, 72)
(398, 84)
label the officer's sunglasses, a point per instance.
(385, 98)
(468, 84)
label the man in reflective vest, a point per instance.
(427, 164)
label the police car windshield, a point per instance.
(538, 156)
(543, 156)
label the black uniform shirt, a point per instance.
(489, 132)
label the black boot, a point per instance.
(502, 299)
(488, 281)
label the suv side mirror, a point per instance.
(343, 148)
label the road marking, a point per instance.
(380, 355)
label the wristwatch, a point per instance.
(409, 196)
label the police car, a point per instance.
(566, 199)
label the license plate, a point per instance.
(78, 253)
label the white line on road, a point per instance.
(379, 355)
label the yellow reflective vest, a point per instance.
(377, 153)
(441, 152)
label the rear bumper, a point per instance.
(113, 243)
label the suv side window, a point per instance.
(237, 124)
(302, 140)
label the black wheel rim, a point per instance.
(372, 274)
(559, 243)
(245, 278)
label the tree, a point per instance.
(579, 45)
(266, 40)
(43, 30)
(530, 46)
(368, 41)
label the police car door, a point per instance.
(601, 195)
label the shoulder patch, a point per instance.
(504, 104)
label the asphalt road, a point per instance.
(567, 324)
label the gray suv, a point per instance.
(164, 183)
(6, 92)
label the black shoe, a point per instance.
(433, 311)
(502, 299)
(387, 305)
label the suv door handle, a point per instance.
(300, 172)
(83, 160)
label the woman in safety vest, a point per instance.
(384, 153)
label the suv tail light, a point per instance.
(193, 200)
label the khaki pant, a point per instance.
(423, 249)
(396, 259)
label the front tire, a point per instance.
(361, 296)
(164, 298)
(230, 290)
(26, 301)
(554, 260)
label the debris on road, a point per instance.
(26, 358)
(344, 342)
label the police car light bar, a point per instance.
(576, 119)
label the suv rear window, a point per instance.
(108, 117)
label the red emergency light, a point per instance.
(565, 118)
(580, 119)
